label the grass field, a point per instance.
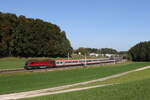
(140, 75)
(135, 90)
(134, 76)
(11, 63)
(134, 86)
(16, 82)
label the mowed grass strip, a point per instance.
(17, 82)
(135, 90)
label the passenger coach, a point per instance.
(60, 63)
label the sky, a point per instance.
(118, 24)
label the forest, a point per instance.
(140, 52)
(28, 37)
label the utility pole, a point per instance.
(85, 60)
(68, 55)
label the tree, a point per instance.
(140, 52)
(108, 51)
(82, 50)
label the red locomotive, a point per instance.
(39, 64)
(69, 62)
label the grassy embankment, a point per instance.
(17, 82)
(134, 86)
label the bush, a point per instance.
(140, 52)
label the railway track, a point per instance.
(52, 69)
(11, 70)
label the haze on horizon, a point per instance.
(117, 24)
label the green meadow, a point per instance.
(133, 86)
(135, 90)
(25, 81)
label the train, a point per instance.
(36, 64)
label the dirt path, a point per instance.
(57, 90)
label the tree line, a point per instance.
(27, 37)
(83, 50)
(140, 52)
